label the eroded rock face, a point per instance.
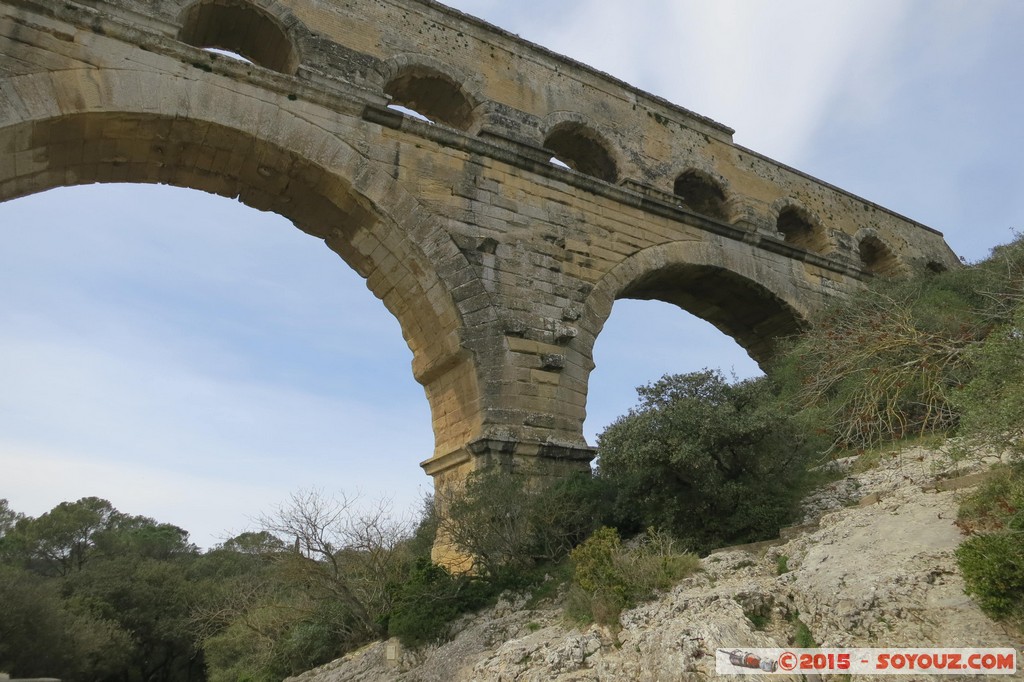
(880, 573)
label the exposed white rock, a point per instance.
(878, 571)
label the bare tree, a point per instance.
(349, 554)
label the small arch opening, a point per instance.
(701, 194)
(877, 258)
(575, 146)
(430, 96)
(237, 28)
(935, 268)
(800, 230)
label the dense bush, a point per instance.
(513, 529)
(41, 635)
(996, 506)
(609, 577)
(89, 592)
(993, 402)
(431, 599)
(712, 463)
(508, 523)
(891, 360)
(426, 605)
(883, 365)
(992, 560)
(993, 570)
(319, 580)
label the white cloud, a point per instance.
(212, 507)
(768, 68)
(194, 336)
(140, 404)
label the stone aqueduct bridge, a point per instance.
(500, 266)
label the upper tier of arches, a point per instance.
(431, 67)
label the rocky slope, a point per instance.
(874, 567)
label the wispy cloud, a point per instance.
(769, 69)
(192, 335)
(211, 506)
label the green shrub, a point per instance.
(608, 578)
(318, 638)
(712, 463)
(759, 619)
(993, 402)
(244, 652)
(992, 562)
(602, 585)
(890, 361)
(882, 365)
(655, 563)
(430, 600)
(513, 527)
(993, 570)
(40, 634)
(509, 523)
(802, 636)
(996, 506)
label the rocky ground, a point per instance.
(873, 566)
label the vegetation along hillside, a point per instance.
(88, 592)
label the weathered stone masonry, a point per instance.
(501, 266)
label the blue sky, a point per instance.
(194, 360)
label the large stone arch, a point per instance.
(753, 301)
(83, 126)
